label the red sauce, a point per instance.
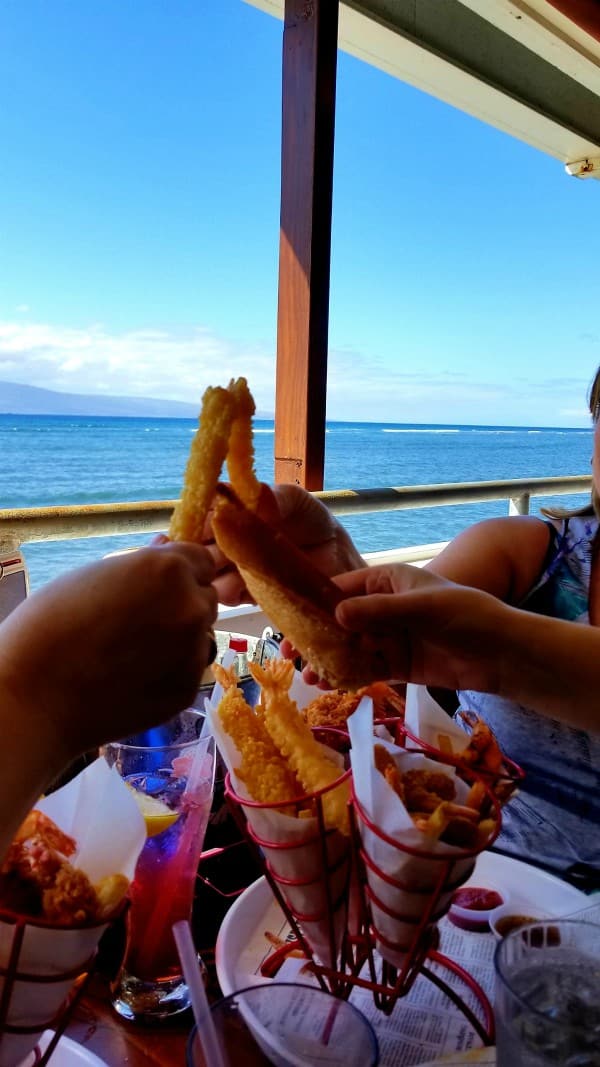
(476, 898)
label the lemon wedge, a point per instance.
(157, 816)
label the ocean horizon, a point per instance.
(51, 460)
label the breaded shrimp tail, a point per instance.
(264, 771)
(299, 600)
(293, 738)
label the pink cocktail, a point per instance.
(173, 783)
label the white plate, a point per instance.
(68, 1053)
(242, 946)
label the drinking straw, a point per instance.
(214, 1053)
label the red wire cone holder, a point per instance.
(356, 956)
(12, 974)
(314, 900)
(502, 783)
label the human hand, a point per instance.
(307, 522)
(424, 628)
(112, 647)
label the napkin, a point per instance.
(429, 722)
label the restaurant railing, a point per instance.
(22, 525)
(19, 526)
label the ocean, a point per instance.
(55, 460)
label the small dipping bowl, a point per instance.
(472, 907)
(507, 918)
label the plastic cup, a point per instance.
(547, 1002)
(288, 1025)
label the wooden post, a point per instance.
(308, 122)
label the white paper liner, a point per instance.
(305, 862)
(429, 722)
(384, 808)
(97, 809)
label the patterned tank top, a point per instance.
(554, 820)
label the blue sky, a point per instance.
(139, 219)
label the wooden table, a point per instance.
(97, 1027)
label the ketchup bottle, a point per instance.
(239, 645)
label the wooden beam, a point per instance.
(584, 13)
(308, 123)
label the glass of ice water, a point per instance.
(547, 1000)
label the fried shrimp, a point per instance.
(207, 455)
(240, 456)
(483, 751)
(263, 769)
(296, 743)
(224, 434)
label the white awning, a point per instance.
(519, 65)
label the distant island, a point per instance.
(16, 399)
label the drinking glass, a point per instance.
(547, 1002)
(288, 1025)
(171, 770)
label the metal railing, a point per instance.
(24, 525)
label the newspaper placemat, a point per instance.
(424, 1026)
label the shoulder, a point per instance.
(502, 556)
(514, 532)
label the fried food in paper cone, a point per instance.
(62, 915)
(419, 837)
(311, 869)
(62, 881)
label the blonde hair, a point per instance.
(593, 508)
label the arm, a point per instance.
(501, 556)
(97, 655)
(434, 632)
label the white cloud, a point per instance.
(373, 391)
(179, 364)
(175, 365)
(22, 308)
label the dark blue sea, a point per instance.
(52, 460)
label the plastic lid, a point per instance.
(238, 644)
